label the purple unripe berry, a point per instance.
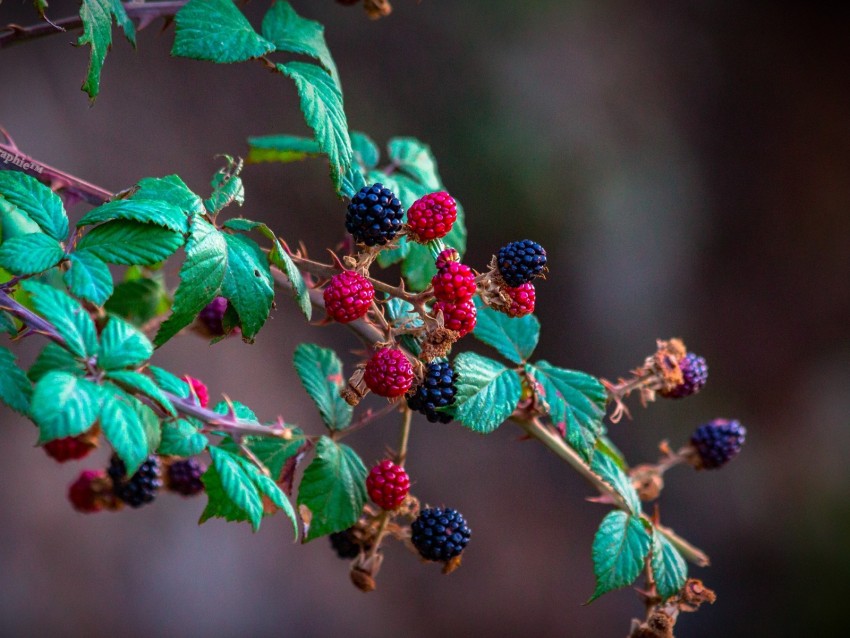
(694, 375)
(718, 442)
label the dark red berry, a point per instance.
(348, 296)
(459, 317)
(184, 477)
(454, 282)
(432, 216)
(389, 373)
(71, 447)
(200, 390)
(521, 261)
(694, 376)
(440, 534)
(83, 492)
(522, 300)
(718, 442)
(388, 484)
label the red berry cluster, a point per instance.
(454, 281)
(431, 216)
(459, 317)
(522, 300)
(389, 373)
(388, 484)
(348, 296)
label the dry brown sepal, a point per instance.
(662, 617)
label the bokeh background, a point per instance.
(687, 166)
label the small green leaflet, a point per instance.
(333, 489)
(487, 392)
(69, 318)
(15, 387)
(248, 284)
(54, 357)
(7, 324)
(352, 181)
(13, 221)
(122, 346)
(89, 277)
(514, 338)
(321, 103)
(416, 159)
(138, 300)
(366, 152)
(145, 211)
(169, 382)
(606, 446)
(291, 33)
(271, 489)
(34, 200)
(274, 452)
(64, 405)
(281, 148)
(215, 30)
(320, 371)
(231, 492)
(170, 190)
(137, 382)
(125, 426)
(227, 187)
(97, 32)
(181, 438)
(30, 254)
(241, 411)
(668, 567)
(619, 549)
(131, 243)
(611, 473)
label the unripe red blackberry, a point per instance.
(454, 282)
(348, 296)
(520, 261)
(70, 447)
(436, 391)
(140, 488)
(718, 442)
(374, 215)
(388, 484)
(212, 316)
(184, 477)
(82, 492)
(459, 317)
(432, 216)
(200, 390)
(522, 300)
(389, 373)
(694, 375)
(440, 534)
(445, 257)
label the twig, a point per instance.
(406, 419)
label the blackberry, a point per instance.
(718, 442)
(694, 375)
(439, 534)
(374, 215)
(212, 316)
(437, 391)
(522, 300)
(82, 492)
(520, 261)
(70, 447)
(454, 282)
(389, 373)
(140, 488)
(184, 477)
(387, 485)
(348, 296)
(345, 544)
(460, 317)
(432, 216)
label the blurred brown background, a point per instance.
(687, 167)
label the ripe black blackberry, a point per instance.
(374, 215)
(345, 544)
(437, 391)
(140, 488)
(520, 261)
(440, 534)
(184, 477)
(718, 442)
(694, 376)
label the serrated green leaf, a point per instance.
(606, 446)
(201, 277)
(15, 387)
(171, 190)
(487, 392)
(515, 338)
(274, 452)
(122, 425)
(7, 323)
(619, 549)
(68, 317)
(64, 405)
(122, 346)
(668, 567)
(281, 148)
(219, 504)
(248, 284)
(97, 31)
(611, 473)
(55, 357)
(320, 371)
(333, 489)
(291, 33)
(416, 159)
(241, 410)
(227, 188)
(131, 243)
(34, 200)
(170, 382)
(137, 382)
(271, 489)
(181, 438)
(137, 300)
(30, 254)
(236, 485)
(365, 150)
(89, 278)
(13, 221)
(352, 182)
(215, 30)
(321, 103)
(144, 211)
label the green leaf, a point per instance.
(333, 489)
(145, 211)
(668, 567)
(64, 405)
(217, 31)
(611, 473)
(169, 382)
(415, 158)
(487, 392)
(137, 382)
(227, 187)
(514, 338)
(352, 182)
(619, 549)
(181, 438)
(30, 254)
(89, 278)
(123, 427)
(15, 387)
(97, 31)
(281, 148)
(13, 221)
(7, 324)
(321, 103)
(320, 371)
(68, 317)
(36, 201)
(138, 300)
(271, 489)
(122, 346)
(248, 284)
(576, 402)
(129, 243)
(200, 278)
(365, 150)
(241, 410)
(606, 446)
(238, 498)
(274, 452)
(170, 190)
(55, 357)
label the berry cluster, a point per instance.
(184, 477)
(70, 447)
(211, 318)
(436, 391)
(139, 489)
(439, 534)
(522, 300)
(389, 373)
(454, 281)
(520, 261)
(348, 296)
(694, 376)
(374, 215)
(387, 485)
(431, 216)
(718, 442)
